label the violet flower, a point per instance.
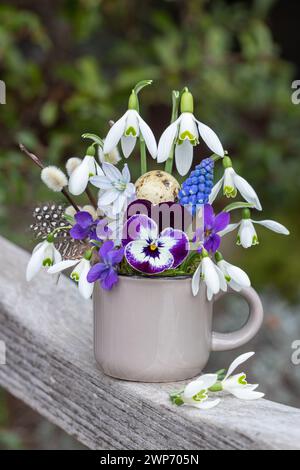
(213, 224)
(106, 270)
(85, 226)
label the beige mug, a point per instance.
(155, 330)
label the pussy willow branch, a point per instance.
(39, 163)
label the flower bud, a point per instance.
(187, 102)
(72, 164)
(54, 178)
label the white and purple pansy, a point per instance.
(151, 252)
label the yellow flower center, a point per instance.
(153, 247)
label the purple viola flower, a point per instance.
(213, 224)
(85, 226)
(106, 270)
(149, 251)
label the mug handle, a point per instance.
(227, 341)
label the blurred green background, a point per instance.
(69, 65)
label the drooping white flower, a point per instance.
(185, 133)
(72, 164)
(80, 176)
(54, 178)
(237, 278)
(44, 255)
(232, 183)
(212, 276)
(247, 235)
(237, 384)
(196, 392)
(112, 157)
(116, 188)
(79, 274)
(127, 129)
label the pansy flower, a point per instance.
(149, 251)
(213, 225)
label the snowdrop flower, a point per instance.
(44, 255)
(112, 157)
(54, 178)
(211, 274)
(185, 133)
(236, 277)
(196, 392)
(247, 235)
(80, 176)
(115, 186)
(127, 129)
(237, 384)
(79, 273)
(232, 183)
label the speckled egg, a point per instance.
(157, 186)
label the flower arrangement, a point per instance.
(155, 226)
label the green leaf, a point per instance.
(237, 205)
(94, 137)
(140, 85)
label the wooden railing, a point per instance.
(47, 329)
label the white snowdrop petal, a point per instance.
(166, 141)
(238, 275)
(36, 261)
(114, 134)
(148, 137)
(215, 190)
(127, 144)
(207, 404)
(272, 225)
(246, 191)
(183, 157)
(211, 139)
(62, 265)
(237, 362)
(196, 281)
(79, 178)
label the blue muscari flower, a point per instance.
(195, 190)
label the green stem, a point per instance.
(174, 116)
(143, 156)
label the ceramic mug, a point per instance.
(155, 330)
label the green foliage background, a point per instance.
(69, 66)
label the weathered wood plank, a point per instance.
(50, 366)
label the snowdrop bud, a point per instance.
(133, 101)
(187, 102)
(54, 178)
(227, 163)
(91, 151)
(246, 214)
(72, 164)
(91, 210)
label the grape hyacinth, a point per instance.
(197, 187)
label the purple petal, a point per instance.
(106, 248)
(209, 216)
(96, 272)
(137, 256)
(102, 229)
(181, 248)
(79, 233)
(110, 279)
(212, 243)
(131, 230)
(115, 256)
(84, 219)
(221, 221)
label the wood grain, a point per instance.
(50, 366)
